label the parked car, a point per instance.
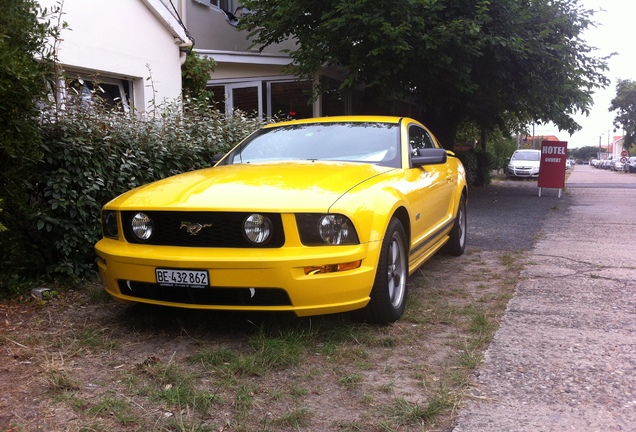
(617, 165)
(524, 164)
(309, 216)
(630, 165)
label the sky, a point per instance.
(614, 33)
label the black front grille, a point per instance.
(218, 229)
(211, 296)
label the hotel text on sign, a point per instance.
(552, 165)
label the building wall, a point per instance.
(121, 39)
(213, 31)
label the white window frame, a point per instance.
(231, 4)
(64, 92)
(229, 101)
(229, 84)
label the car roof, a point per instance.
(345, 119)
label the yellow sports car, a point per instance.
(311, 216)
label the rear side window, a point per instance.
(419, 138)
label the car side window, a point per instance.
(419, 138)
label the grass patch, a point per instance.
(181, 370)
(296, 418)
(405, 413)
(116, 407)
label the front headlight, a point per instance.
(331, 229)
(257, 228)
(335, 229)
(142, 226)
(109, 224)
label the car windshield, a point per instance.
(526, 155)
(372, 142)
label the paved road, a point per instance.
(496, 212)
(564, 358)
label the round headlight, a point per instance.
(257, 228)
(335, 229)
(109, 224)
(142, 226)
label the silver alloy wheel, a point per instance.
(396, 270)
(461, 222)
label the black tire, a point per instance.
(456, 244)
(389, 293)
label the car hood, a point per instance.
(298, 186)
(524, 163)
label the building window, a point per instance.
(226, 5)
(333, 100)
(265, 98)
(110, 92)
(218, 96)
(290, 98)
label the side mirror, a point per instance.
(429, 156)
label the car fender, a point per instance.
(461, 182)
(370, 205)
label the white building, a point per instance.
(135, 48)
(132, 48)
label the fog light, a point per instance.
(332, 268)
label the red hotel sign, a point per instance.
(552, 165)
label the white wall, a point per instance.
(121, 38)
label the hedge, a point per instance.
(91, 155)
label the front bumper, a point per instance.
(523, 172)
(240, 279)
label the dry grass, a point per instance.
(81, 362)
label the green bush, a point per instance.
(195, 74)
(477, 166)
(91, 155)
(26, 67)
(500, 148)
(469, 160)
(2, 227)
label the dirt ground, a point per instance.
(82, 362)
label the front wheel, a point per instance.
(456, 244)
(388, 296)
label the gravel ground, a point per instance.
(564, 358)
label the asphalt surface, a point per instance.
(564, 357)
(496, 212)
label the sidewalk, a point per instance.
(564, 358)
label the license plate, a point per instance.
(182, 278)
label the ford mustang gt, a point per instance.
(312, 216)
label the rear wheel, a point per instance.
(456, 244)
(388, 296)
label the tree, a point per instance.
(584, 153)
(484, 61)
(195, 73)
(26, 68)
(23, 72)
(625, 106)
